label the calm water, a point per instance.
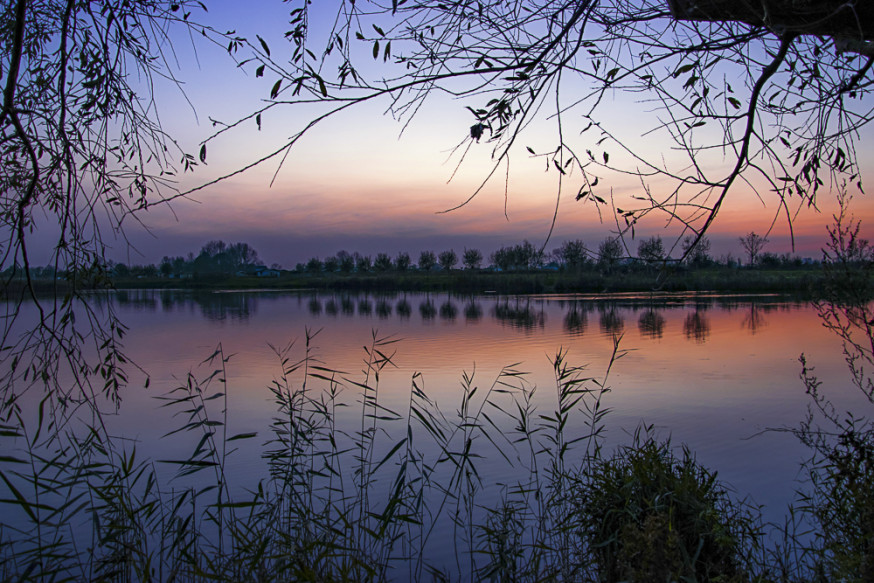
(711, 372)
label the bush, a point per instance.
(647, 515)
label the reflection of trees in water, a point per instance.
(472, 311)
(404, 309)
(314, 306)
(755, 318)
(364, 307)
(697, 326)
(651, 323)
(519, 315)
(139, 300)
(331, 307)
(576, 319)
(347, 306)
(610, 320)
(427, 310)
(448, 311)
(383, 309)
(169, 301)
(222, 306)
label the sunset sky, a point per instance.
(356, 183)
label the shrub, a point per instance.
(648, 515)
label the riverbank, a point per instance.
(800, 281)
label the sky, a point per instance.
(365, 182)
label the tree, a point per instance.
(696, 252)
(518, 257)
(331, 264)
(219, 257)
(166, 267)
(241, 255)
(572, 254)
(503, 258)
(346, 261)
(427, 260)
(382, 262)
(753, 245)
(472, 258)
(651, 250)
(314, 265)
(402, 261)
(609, 253)
(363, 263)
(447, 259)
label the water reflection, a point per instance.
(364, 307)
(755, 318)
(427, 310)
(697, 326)
(576, 319)
(448, 311)
(346, 306)
(314, 306)
(472, 311)
(522, 313)
(519, 314)
(610, 320)
(383, 309)
(651, 323)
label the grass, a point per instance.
(795, 280)
(652, 515)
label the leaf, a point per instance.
(606, 157)
(258, 121)
(264, 45)
(378, 30)
(734, 102)
(612, 73)
(275, 91)
(322, 88)
(375, 49)
(531, 150)
(259, 72)
(684, 69)
(359, 36)
(203, 154)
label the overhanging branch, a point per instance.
(850, 23)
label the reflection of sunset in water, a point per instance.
(709, 371)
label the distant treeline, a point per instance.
(520, 268)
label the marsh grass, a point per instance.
(373, 500)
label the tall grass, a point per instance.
(372, 500)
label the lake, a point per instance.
(712, 372)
